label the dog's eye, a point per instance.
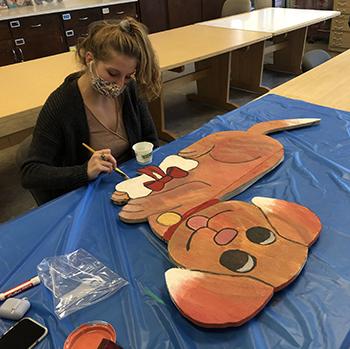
(261, 235)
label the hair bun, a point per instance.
(125, 26)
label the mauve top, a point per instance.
(109, 133)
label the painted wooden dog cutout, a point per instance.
(234, 255)
(218, 166)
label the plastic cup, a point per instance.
(143, 152)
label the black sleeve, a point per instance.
(42, 168)
(149, 132)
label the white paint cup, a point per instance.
(143, 152)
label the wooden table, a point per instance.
(210, 49)
(25, 86)
(288, 28)
(24, 89)
(327, 85)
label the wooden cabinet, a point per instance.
(26, 38)
(184, 12)
(37, 36)
(211, 9)
(7, 49)
(154, 14)
(340, 30)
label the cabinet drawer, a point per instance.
(341, 23)
(34, 46)
(34, 25)
(340, 39)
(72, 35)
(5, 33)
(80, 18)
(119, 11)
(342, 6)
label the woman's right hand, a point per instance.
(100, 161)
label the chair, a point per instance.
(21, 155)
(22, 151)
(262, 4)
(234, 7)
(314, 58)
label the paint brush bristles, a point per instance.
(116, 169)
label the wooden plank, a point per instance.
(289, 59)
(214, 88)
(247, 68)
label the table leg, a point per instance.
(214, 88)
(156, 108)
(288, 60)
(247, 66)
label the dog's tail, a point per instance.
(280, 125)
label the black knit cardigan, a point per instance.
(56, 161)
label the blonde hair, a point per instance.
(129, 38)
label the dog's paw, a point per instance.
(120, 198)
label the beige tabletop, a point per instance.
(192, 43)
(327, 85)
(25, 86)
(273, 20)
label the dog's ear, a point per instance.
(212, 300)
(292, 221)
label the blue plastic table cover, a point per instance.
(312, 312)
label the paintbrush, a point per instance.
(116, 169)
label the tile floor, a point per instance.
(182, 117)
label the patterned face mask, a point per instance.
(104, 87)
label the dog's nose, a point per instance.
(238, 261)
(225, 236)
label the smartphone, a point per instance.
(25, 334)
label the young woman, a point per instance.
(103, 106)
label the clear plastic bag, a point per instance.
(77, 280)
(3, 328)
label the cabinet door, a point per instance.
(37, 36)
(119, 11)
(7, 50)
(212, 9)
(154, 14)
(184, 12)
(5, 33)
(7, 53)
